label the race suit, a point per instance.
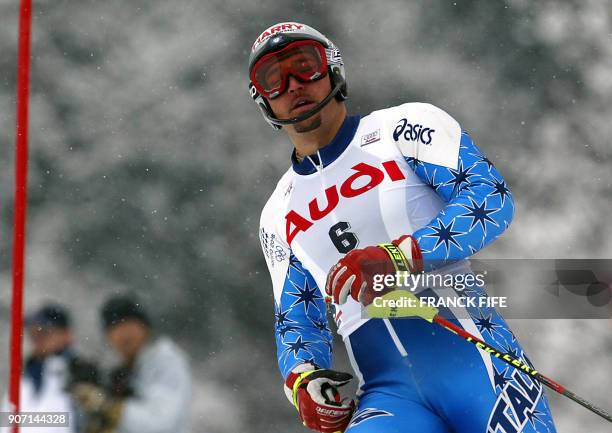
(408, 169)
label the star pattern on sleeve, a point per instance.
(281, 317)
(513, 351)
(501, 189)
(479, 206)
(485, 324)
(321, 325)
(499, 378)
(445, 235)
(301, 328)
(479, 214)
(295, 265)
(413, 162)
(536, 416)
(484, 159)
(310, 360)
(431, 180)
(283, 330)
(294, 347)
(305, 295)
(460, 176)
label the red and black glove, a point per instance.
(314, 393)
(354, 273)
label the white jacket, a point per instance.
(50, 398)
(161, 381)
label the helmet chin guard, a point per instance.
(277, 37)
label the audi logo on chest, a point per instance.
(296, 223)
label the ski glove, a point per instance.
(354, 273)
(314, 393)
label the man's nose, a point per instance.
(293, 84)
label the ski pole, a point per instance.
(431, 314)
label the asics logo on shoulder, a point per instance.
(373, 176)
(412, 132)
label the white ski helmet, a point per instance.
(279, 36)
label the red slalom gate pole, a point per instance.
(19, 216)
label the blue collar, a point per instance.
(34, 367)
(330, 152)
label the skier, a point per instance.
(407, 180)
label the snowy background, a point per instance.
(150, 164)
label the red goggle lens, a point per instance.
(305, 60)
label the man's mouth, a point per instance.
(301, 105)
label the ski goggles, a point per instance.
(304, 60)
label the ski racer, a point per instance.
(406, 179)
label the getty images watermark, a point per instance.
(523, 288)
(429, 284)
(412, 281)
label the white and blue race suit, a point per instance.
(408, 169)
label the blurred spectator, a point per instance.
(150, 390)
(52, 368)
